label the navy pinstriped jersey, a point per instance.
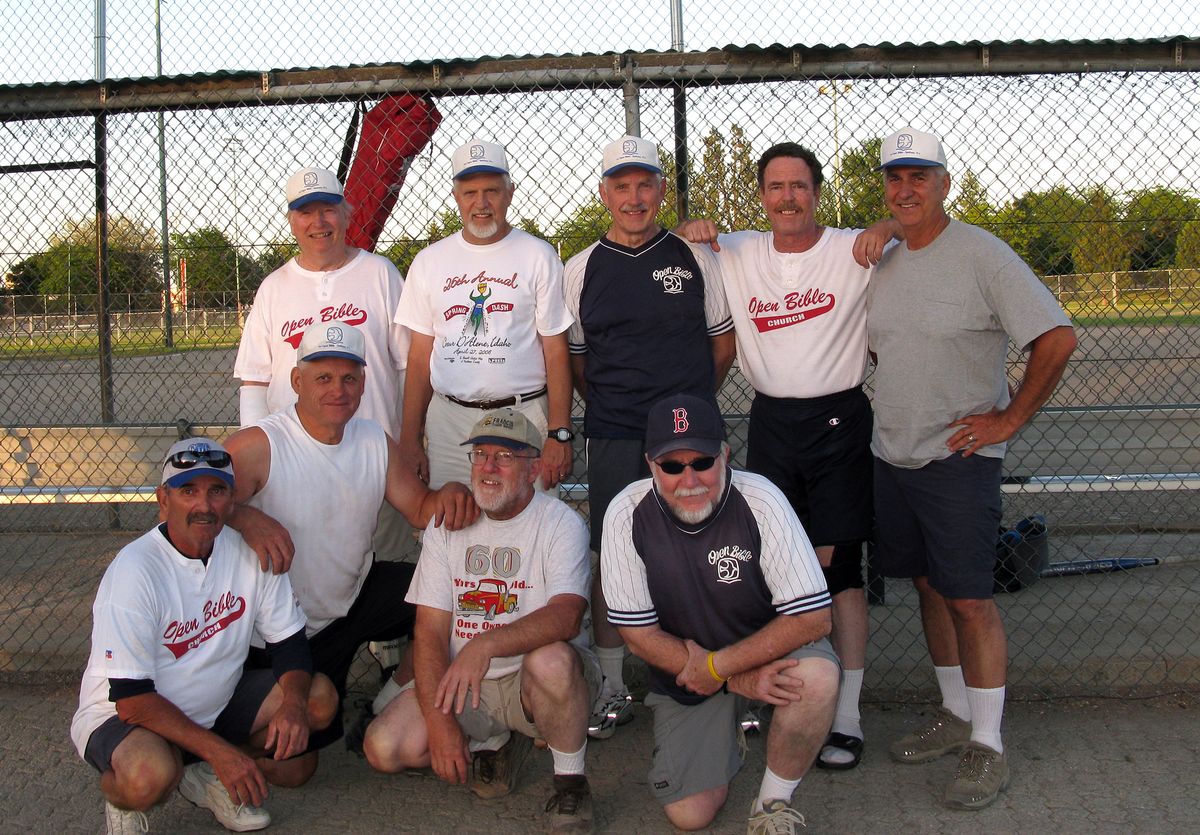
(715, 583)
(643, 322)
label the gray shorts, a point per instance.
(696, 747)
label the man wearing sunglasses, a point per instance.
(711, 580)
(310, 482)
(172, 625)
(498, 649)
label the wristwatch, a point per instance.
(562, 435)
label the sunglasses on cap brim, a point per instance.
(189, 458)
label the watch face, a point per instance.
(561, 435)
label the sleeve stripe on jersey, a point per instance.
(724, 326)
(577, 347)
(646, 617)
(808, 603)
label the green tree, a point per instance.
(25, 277)
(215, 268)
(861, 188)
(1102, 245)
(134, 262)
(724, 188)
(1187, 246)
(971, 204)
(274, 255)
(1042, 227)
(1155, 217)
(584, 227)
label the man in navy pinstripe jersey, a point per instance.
(712, 581)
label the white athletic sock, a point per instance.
(775, 787)
(612, 664)
(389, 691)
(569, 763)
(987, 709)
(847, 719)
(954, 691)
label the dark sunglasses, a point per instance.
(189, 458)
(697, 464)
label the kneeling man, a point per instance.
(712, 581)
(164, 700)
(498, 650)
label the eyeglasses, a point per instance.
(503, 458)
(188, 458)
(677, 467)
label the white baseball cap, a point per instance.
(630, 152)
(909, 146)
(478, 157)
(309, 185)
(194, 457)
(334, 339)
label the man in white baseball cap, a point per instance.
(166, 700)
(488, 324)
(649, 322)
(951, 297)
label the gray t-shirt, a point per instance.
(939, 319)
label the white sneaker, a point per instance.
(201, 786)
(124, 821)
(777, 819)
(609, 711)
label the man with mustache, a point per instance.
(798, 301)
(489, 329)
(711, 580)
(319, 450)
(649, 321)
(499, 653)
(165, 700)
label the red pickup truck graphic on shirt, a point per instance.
(490, 597)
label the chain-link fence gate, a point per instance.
(1084, 155)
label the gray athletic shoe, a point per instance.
(570, 807)
(494, 773)
(608, 712)
(201, 786)
(777, 819)
(981, 775)
(943, 734)
(124, 821)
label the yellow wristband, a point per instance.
(713, 670)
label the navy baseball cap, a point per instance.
(683, 421)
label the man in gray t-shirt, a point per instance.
(940, 312)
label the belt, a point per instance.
(488, 405)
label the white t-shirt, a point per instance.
(495, 572)
(801, 318)
(364, 293)
(328, 498)
(160, 615)
(485, 307)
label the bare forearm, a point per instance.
(558, 620)
(775, 640)
(154, 713)
(558, 380)
(1047, 360)
(656, 647)
(577, 362)
(418, 391)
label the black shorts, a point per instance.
(612, 465)
(818, 452)
(233, 725)
(940, 521)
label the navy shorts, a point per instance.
(818, 452)
(233, 725)
(940, 521)
(612, 465)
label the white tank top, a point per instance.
(328, 497)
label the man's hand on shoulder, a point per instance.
(769, 683)
(269, 539)
(872, 241)
(699, 231)
(454, 506)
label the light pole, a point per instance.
(833, 90)
(168, 317)
(234, 146)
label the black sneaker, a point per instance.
(570, 808)
(494, 773)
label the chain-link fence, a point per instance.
(1083, 155)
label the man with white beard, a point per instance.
(489, 322)
(711, 580)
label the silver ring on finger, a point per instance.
(971, 439)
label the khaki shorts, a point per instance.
(500, 707)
